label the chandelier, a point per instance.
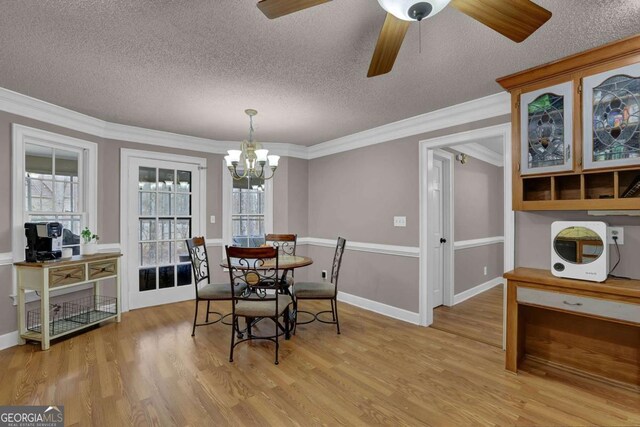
(251, 156)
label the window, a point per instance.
(247, 212)
(52, 189)
(54, 179)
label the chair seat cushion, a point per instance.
(260, 308)
(213, 291)
(314, 290)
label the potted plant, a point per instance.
(89, 244)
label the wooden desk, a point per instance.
(47, 276)
(585, 327)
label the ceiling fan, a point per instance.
(515, 19)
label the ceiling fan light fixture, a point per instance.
(412, 10)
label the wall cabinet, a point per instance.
(576, 131)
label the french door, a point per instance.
(164, 210)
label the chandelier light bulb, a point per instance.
(228, 160)
(273, 160)
(234, 155)
(413, 10)
(261, 155)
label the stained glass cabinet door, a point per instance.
(611, 118)
(546, 130)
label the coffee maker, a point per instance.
(44, 241)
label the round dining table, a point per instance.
(285, 262)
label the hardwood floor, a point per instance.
(478, 318)
(148, 370)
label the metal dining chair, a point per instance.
(326, 290)
(257, 269)
(287, 245)
(209, 291)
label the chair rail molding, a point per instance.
(466, 112)
(376, 248)
(474, 243)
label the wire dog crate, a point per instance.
(70, 315)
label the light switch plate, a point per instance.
(399, 221)
(212, 219)
(615, 231)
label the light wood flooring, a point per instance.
(148, 370)
(478, 318)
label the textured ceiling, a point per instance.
(194, 66)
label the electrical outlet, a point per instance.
(324, 274)
(212, 219)
(615, 231)
(485, 270)
(399, 221)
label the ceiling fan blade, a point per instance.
(515, 19)
(388, 46)
(277, 8)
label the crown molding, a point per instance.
(478, 109)
(481, 152)
(467, 112)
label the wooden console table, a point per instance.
(585, 327)
(69, 316)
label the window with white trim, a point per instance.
(247, 212)
(55, 179)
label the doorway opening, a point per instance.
(466, 232)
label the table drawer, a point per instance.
(100, 269)
(68, 275)
(580, 304)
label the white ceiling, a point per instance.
(193, 66)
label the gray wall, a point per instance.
(533, 239)
(479, 213)
(356, 194)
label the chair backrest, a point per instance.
(255, 267)
(199, 259)
(337, 261)
(286, 242)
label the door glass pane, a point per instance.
(546, 131)
(616, 119)
(147, 229)
(183, 229)
(181, 251)
(184, 182)
(166, 277)
(165, 252)
(166, 229)
(183, 204)
(166, 180)
(165, 204)
(147, 204)
(147, 179)
(147, 279)
(148, 254)
(184, 274)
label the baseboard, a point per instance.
(470, 293)
(380, 308)
(9, 340)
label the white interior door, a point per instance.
(438, 238)
(164, 210)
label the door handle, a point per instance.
(443, 240)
